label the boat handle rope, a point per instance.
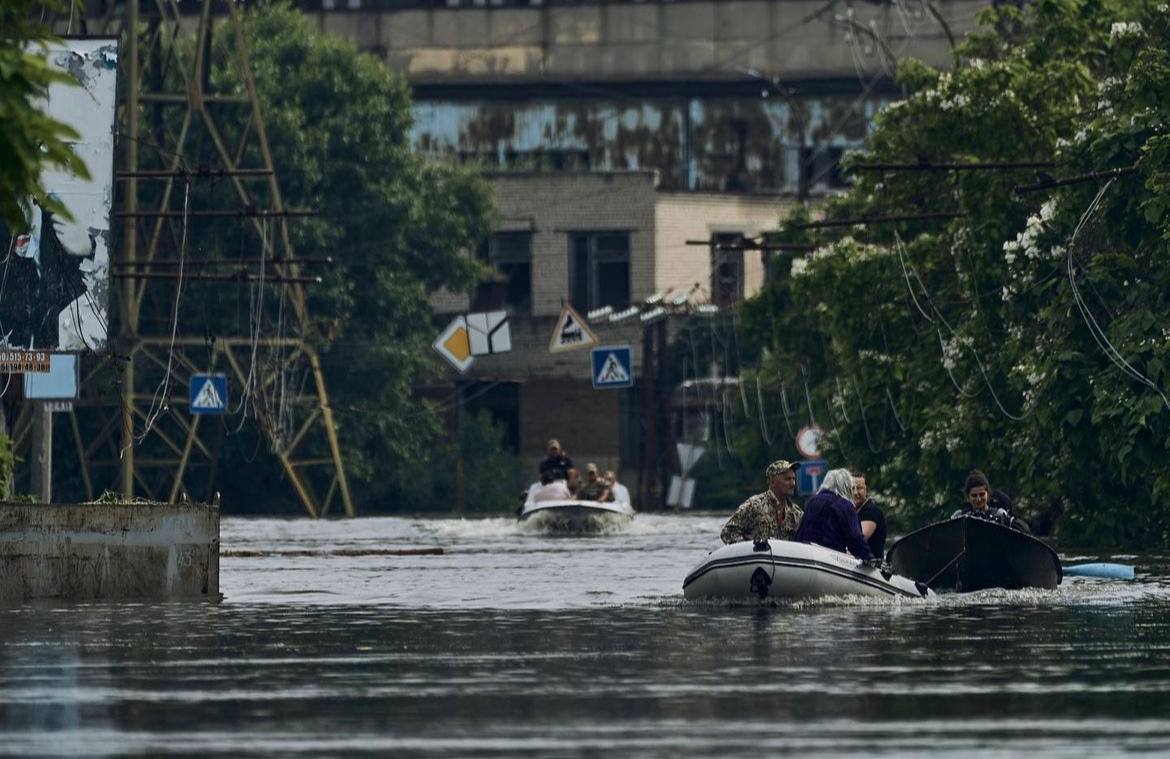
(946, 566)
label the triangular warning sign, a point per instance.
(208, 398)
(612, 371)
(571, 333)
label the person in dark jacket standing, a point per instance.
(830, 519)
(873, 521)
(556, 465)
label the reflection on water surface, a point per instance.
(511, 643)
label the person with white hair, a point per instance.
(830, 520)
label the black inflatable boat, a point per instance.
(971, 553)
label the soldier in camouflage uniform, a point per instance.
(771, 514)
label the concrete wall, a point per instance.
(627, 41)
(108, 552)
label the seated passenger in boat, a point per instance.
(988, 504)
(771, 514)
(551, 490)
(619, 491)
(557, 464)
(830, 519)
(595, 488)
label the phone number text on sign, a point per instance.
(13, 361)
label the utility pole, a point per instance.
(460, 485)
(129, 253)
(662, 414)
(655, 417)
(647, 462)
(42, 452)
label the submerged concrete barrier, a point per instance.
(108, 552)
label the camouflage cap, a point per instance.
(780, 465)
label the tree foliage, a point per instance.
(30, 141)
(1027, 337)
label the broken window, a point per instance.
(599, 269)
(726, 268)
(510, 254)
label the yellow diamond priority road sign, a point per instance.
(454, 344)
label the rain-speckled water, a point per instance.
(511, 643)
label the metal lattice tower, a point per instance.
(149, 438)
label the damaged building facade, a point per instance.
(613, 131)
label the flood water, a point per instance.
(512, 643)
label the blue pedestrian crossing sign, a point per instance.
(612, 367)
(208, 393)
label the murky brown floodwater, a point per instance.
(516, 644)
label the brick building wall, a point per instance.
(697, 216)
(586, 421)
(557, 204)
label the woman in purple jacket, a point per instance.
(830, 520)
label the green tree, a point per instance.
(30, 141)
(1027, 335)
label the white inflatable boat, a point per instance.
(571, 516)
(783, 569)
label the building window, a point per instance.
(510, 254)
(552, 159)
(822, 168)
(726, 269)
(599, 269)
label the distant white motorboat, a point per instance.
(788, 570)
(577, 517)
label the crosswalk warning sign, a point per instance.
(208, 394)
(454, 344)
(612, 367)
(571, 333)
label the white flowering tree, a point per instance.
(1028, 336)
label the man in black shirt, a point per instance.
(556, 465)
(873, 521)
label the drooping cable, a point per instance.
(164, 386)
(1095, 330)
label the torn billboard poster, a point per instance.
(55, 278)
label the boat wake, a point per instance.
(552, 523)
